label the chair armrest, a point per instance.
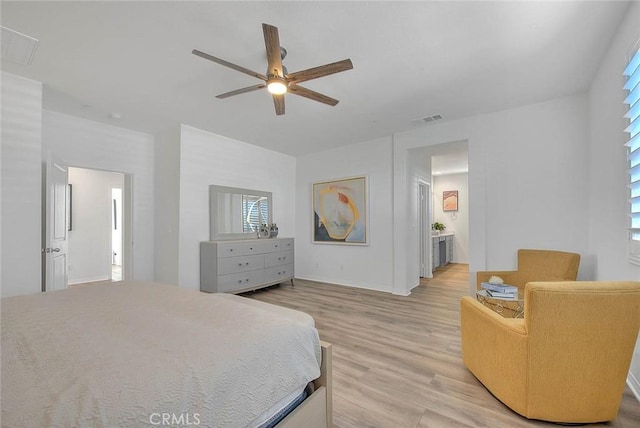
(508, 276)
(495, 350)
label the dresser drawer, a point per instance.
(278, 273)
(286, 244)
(262, 246)
(232, 249)
(239, 281)
(272, 245)
(277, 259)
(259, 246)
(240, 264)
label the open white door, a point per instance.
(56, 225)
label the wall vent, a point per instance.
(18, 47)
(426, 119)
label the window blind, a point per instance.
(632, 86)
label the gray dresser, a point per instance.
(244, 265)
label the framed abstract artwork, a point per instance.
(340, 210)
(450, 200)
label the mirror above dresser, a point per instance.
(236, 213)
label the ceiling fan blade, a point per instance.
(312, 95)
(228, 64)
(272, 43)
(321, 71)
(278, 102)
(241, 91)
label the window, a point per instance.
(632, 86)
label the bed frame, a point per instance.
(317, 410)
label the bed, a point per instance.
(136, 353)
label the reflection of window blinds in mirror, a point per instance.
(254, 212)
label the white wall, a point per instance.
(90, 238)
(608, 195)
(167, 205)
(361, 266)
(458, 222)
(88, 144)
(206, 159)
(21, 150)
(527, 175)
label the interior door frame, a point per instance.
(126, 222)
(119, 225)
(127, 227)
(424, 229)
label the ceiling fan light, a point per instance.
(277, 86)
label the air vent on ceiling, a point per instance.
(18, 47)
(426, 119)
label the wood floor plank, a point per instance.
(397, 360)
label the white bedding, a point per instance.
(130, 353)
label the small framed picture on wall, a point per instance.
(450, 200)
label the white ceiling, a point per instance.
(411, 60)
(450, 158)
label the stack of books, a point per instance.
(502, 291)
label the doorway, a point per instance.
(450, 207)
(99, 247)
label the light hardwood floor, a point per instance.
(397, 360)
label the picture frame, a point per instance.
(340, 210)
(450, 200)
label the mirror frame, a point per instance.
(214, 233)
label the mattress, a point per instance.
(136, 353)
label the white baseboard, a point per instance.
(634, 385)
(412, 287)
(346, 284)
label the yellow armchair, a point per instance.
(567, 360)
(537, 265)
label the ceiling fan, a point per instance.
(277, 80)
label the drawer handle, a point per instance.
(251, 248)
(284, 257)
(276, 246)
(231, 250)
(239, 264)
(246, 264)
